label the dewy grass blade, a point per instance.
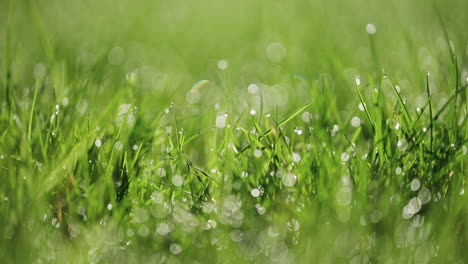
(356, 85)
(402, 103)
(31, 114)
(431, 117)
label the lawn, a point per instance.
(214, 131)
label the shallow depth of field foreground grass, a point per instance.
(233, 131)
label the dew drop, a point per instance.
(370, 28)
(223, 65)
(355, 121)
(258, 153)
(175, 249)
(344, 156)
(289, 179)
(415, 184)
(255, 192)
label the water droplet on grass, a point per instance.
(344, 156)
(258, 153)
(344, 196)
(175, 249)
(296, 157)
(163, 229)
(193, 96)
(39, 71)
(223, 65)
(370, 28)
(177, 180)
(118, 145)
(143, 231)
(398, 170)
(237, 235)
(255, 192)
(357, 81)
(306, 116)
(161, 172)
(65, 101)
(221, 121)
(402, 144)
(424, 195)
(293, 225)
(253, 112)
(98, 143)
(415, 184)
(361, 107)
(289, 179)
(355, 121)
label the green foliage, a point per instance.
(214, 131)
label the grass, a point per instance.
(219, 132)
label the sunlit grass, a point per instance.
(199, 132)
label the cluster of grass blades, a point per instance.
(107, 155)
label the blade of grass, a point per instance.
(431, 125)
(363, 104)
(31, 114)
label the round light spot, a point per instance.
(361, 107)
(398, 170)
(223, 65)
(253, 111)
(193, 96)
(289, 179)
(357, 80)
(344, 156)
(306, 117)
(402, 144)
(237, 235)
(118, 145)
(415, 184)
(255, 192)
(161, 172)
(175, 249)
(98, 143)
(65, 101)
(163, 229)
(177, 180)
(258, 153)
(370, 28)
(252, 88)
(296, 157)
(424, 195)
(221, 121)
(275, 52)
(39, 71)
(355, 121)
